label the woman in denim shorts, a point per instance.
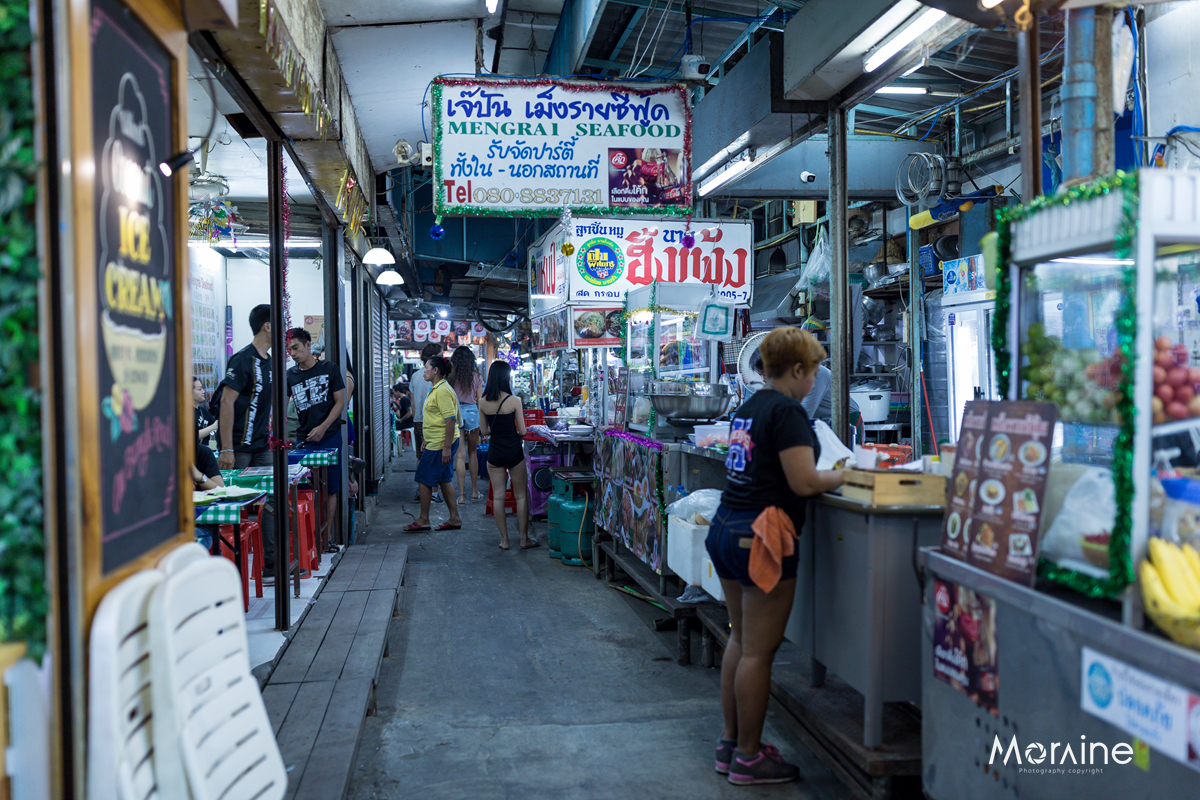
(773, 453)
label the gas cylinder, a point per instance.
(554, 516)
(576, 527)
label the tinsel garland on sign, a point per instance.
(439, 202)
(1119, 556)
(634, 438)
(291, 64)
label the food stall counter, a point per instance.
(857, 609)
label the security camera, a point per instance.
(808, 177)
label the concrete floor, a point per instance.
(512, 676)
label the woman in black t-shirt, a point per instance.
(772, 462)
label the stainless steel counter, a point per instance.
(858, 601)
(1040, 639)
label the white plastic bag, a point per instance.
(697, 508)
(1089, 509)
(820, 262)
(834, 454)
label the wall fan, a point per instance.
(749, 364)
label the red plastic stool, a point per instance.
(510, 500)
(308, 532)
(242, 568)
(406, 437)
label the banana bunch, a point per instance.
(1171, 589)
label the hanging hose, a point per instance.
(639, 596)
(932, 184)
(929, 412)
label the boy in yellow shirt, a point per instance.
(440, 429)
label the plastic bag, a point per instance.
(1081, 530)
(716, 321)
(820, 262)
(698, 508)
(834, 454)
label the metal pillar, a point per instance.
(1030, 82)
(335, 353)
(839, 279)
(1087, 96)
(283, 556)
(916, 342)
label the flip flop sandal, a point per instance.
(415, 528)
(446, 526)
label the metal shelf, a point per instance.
(1180, 426)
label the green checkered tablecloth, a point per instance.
(321, 458)
(266, 483)
(220, 514)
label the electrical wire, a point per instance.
(656, 38)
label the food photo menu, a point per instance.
(998, 487)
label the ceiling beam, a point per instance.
(616, 51)
(718, 65)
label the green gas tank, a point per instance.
(568, 512)
(554, 516)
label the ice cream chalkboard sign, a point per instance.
(998, 487)
(137, 326)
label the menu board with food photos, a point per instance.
(998, 487)
(597, 327)
(627, 469)
(964, 643)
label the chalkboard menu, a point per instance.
(137, 325)
(998, 487)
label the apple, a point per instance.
(1194, 406)
(1181, 354)
(1165, 359)
(1160, 375)
(1177, 377)
(1185, 393)
(1165, 393)
(1177, 411)
(1157, 404)
(1160, 417)
(1163, 343)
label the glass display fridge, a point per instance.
(970, 360)
(664, 345)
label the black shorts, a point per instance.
(728, 544)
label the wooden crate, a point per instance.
(886, 487)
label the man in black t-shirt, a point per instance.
(319, 392)
(245, 411)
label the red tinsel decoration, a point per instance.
(287, 234)
(679, 89)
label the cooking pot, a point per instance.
(873, 311)
(872, 273)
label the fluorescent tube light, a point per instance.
(901, 90)
(905, 37)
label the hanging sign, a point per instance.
(478, 330)
(548, 273)
(421, 336)
(550, 331)
(442, 328)
(404, 330)
(422, 328)
(596, 327)
(531, 147)
(613, 256)
(998, 487)
(135, 272)
(965, 643)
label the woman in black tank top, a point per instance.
(503, 419)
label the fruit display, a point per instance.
(1176, 385)
(1170, 580)
(1070, 378)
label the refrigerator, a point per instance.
(971, 362)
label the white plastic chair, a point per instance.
(212, 736)
(121, 761)
(181, 556)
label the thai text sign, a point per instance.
(531, 147)
(547, 274)
(612, 256)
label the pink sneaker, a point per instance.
(725, 748)
(766, 766)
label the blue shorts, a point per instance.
(333, 472)
(728, 544)
(431, 471)
(470, 413)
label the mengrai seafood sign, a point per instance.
(533, 147)
(595, 262)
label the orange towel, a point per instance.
(774, 540)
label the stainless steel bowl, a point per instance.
(690, 406)
(688, 388)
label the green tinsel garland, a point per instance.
(1120, 566)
